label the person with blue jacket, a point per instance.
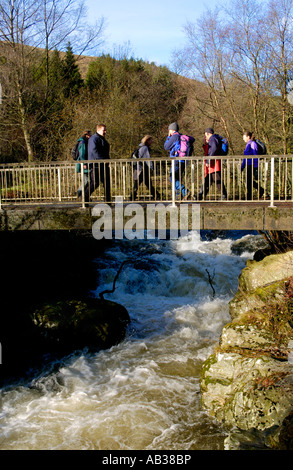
(172, 144)
(251, 165)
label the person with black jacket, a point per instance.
(212, 167)
(99, 149)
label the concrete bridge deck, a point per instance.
(212, 216)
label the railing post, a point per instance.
(272, 181)
(173, 182)
(192, 178)
(123, 181)
(82, 186)
(59, 183)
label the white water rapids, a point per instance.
(144, 393)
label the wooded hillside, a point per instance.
(235, 74)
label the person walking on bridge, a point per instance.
(83, 155)
(142, 171)
(250, 165)
(99, 149)
(172, 144)
(212, 167)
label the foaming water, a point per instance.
(145, 392)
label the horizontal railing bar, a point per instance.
(134, 161)
(155, 179)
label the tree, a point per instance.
(280, 28)
(243, 56)
(26, 26)
(207, 59)
(135, 98)
(72, 81)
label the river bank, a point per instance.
(247, 383)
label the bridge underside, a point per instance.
(210, 216)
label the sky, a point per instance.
(152, 29)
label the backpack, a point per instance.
(224, 146)
(186, 146)
(262, 150)
(135, 153)
(75, 152)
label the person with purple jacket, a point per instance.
(251, 165)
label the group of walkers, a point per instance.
(96, 147)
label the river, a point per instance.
(144, 393)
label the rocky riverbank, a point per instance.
(248, 382)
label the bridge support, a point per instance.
(213, 216)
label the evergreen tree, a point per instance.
(72, 81)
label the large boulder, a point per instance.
(262, 273)
(248, 382)
(74, 324)
(248, 392)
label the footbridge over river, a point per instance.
(149, 195)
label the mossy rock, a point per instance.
(271, 269)
(75, 324)
(244, 335)
(246, 303)
(247, 392)
(247, 383)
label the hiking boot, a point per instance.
(187, 195)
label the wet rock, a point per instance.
(248, 392)
(286, 433)
(248, 244)
(75, 324)
(271, 269)
(248, 382)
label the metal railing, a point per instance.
(157, 179)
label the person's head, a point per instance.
(87, 134)
(101, 129)
(247, 136)
(173, 128)
(208, 133)
(147, 140)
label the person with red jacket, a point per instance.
(212, 167)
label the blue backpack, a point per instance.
(224, 146)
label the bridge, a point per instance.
(44, 195)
